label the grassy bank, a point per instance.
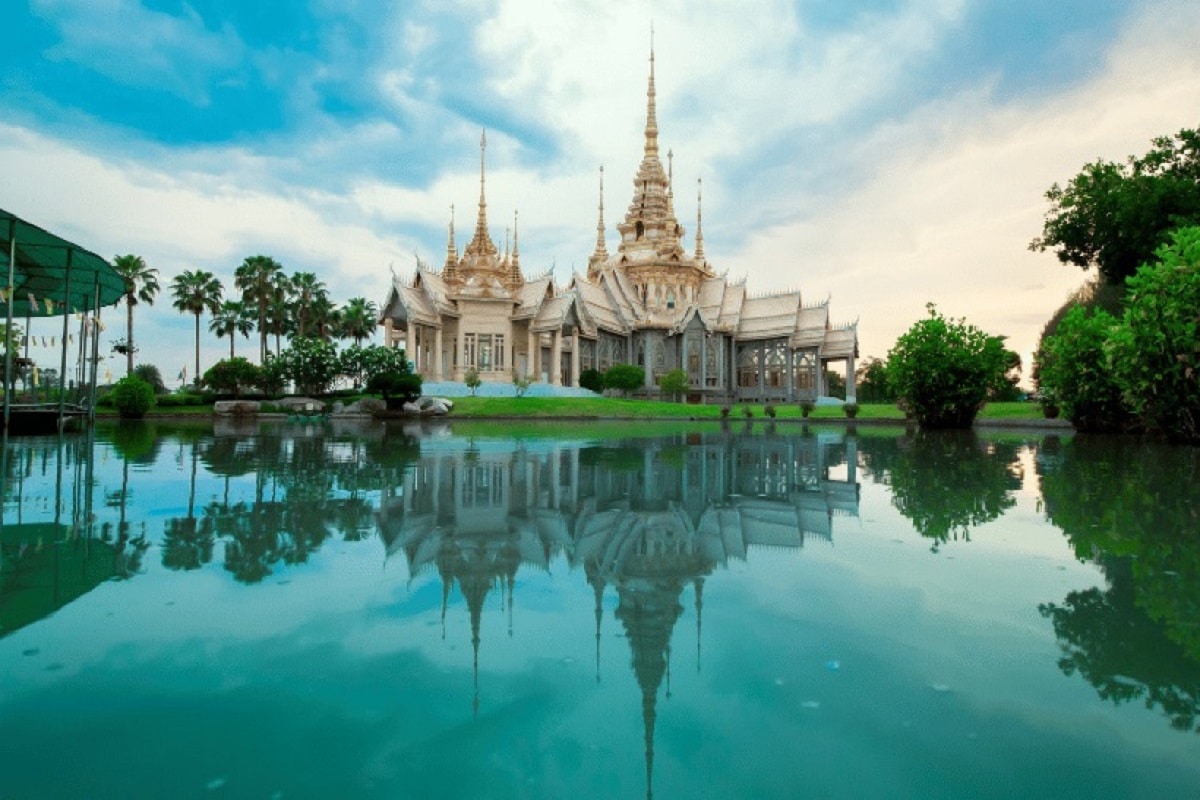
(549, 408)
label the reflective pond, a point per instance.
(493, 610)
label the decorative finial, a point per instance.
(699, 220)
(670, 173)
(601, 252)
(651, 115)
(514, 252)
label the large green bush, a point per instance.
(942, 370)
(396, 387)
(592, 379)
(674, 383)
(232, 376)
(1074, 374)
(361, 364)
(132, 397)
(309, 363)
(624, 378)
(1155, 352)
(150, 374)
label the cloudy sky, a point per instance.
(886, 153)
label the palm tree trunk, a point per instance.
(196, 377)
(129, 338)
(232, 334)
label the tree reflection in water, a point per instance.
(945, 482)
(1130, 507)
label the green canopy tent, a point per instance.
(49, 277)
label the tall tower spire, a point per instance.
(699, 219)
(481, 244)
(651, 115)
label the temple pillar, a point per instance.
(575, 357)
(531, 357)
(851, 390)
(556, 359)
(438, 357)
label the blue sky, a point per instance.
(886, 156)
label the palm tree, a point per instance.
(326, 318)
(141, 285)
(280, 320)
(196, 291)
(359, 318)
(232, 318)
(259, 277)
(306, 291)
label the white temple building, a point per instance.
(652, 303)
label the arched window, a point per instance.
(670, 299)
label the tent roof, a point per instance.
(41, 271)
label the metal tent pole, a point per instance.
(12, 269)
(62, 368)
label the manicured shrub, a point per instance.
(769, 410)
(132, 397)
(232, 376)
(592, 379)
(624, 378)
(942, 370)
(850, 408)
(396, 387)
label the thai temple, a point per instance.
(653, 303)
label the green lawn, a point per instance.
(617, 408)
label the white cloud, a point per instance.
(958, 194)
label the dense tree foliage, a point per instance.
(309, 363)
(1155, 352)
(232, 375)
(674, 383)
(1073, 373)
(592, 379)
(1114, 216)
(942, 370)
(132, 397)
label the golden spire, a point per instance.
(651, 116)
(699, 219)
(515, 278)
(481, 244)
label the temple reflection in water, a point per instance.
(647, 521)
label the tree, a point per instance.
(358, 319)
(196, 291)
(132, 397)
(310, 363)
(306, 290)
(229, 320)
(1073, 372)
(150, 374)
(1114, 216)
(871, 381)
(1155, 352)
(592, 379)
(141, 285)
(472, 380)
(942, 370)
(258, 277)
(624, 378)
(674, 383)
(232, 375)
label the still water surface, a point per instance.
(490, 611)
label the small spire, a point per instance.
(481, 244)
(699, 219)
(450, 269)
(670, 174)
(601, 252)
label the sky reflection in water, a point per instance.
(491, 611)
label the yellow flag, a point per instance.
(36, 376)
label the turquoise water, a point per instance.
(502, 611)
